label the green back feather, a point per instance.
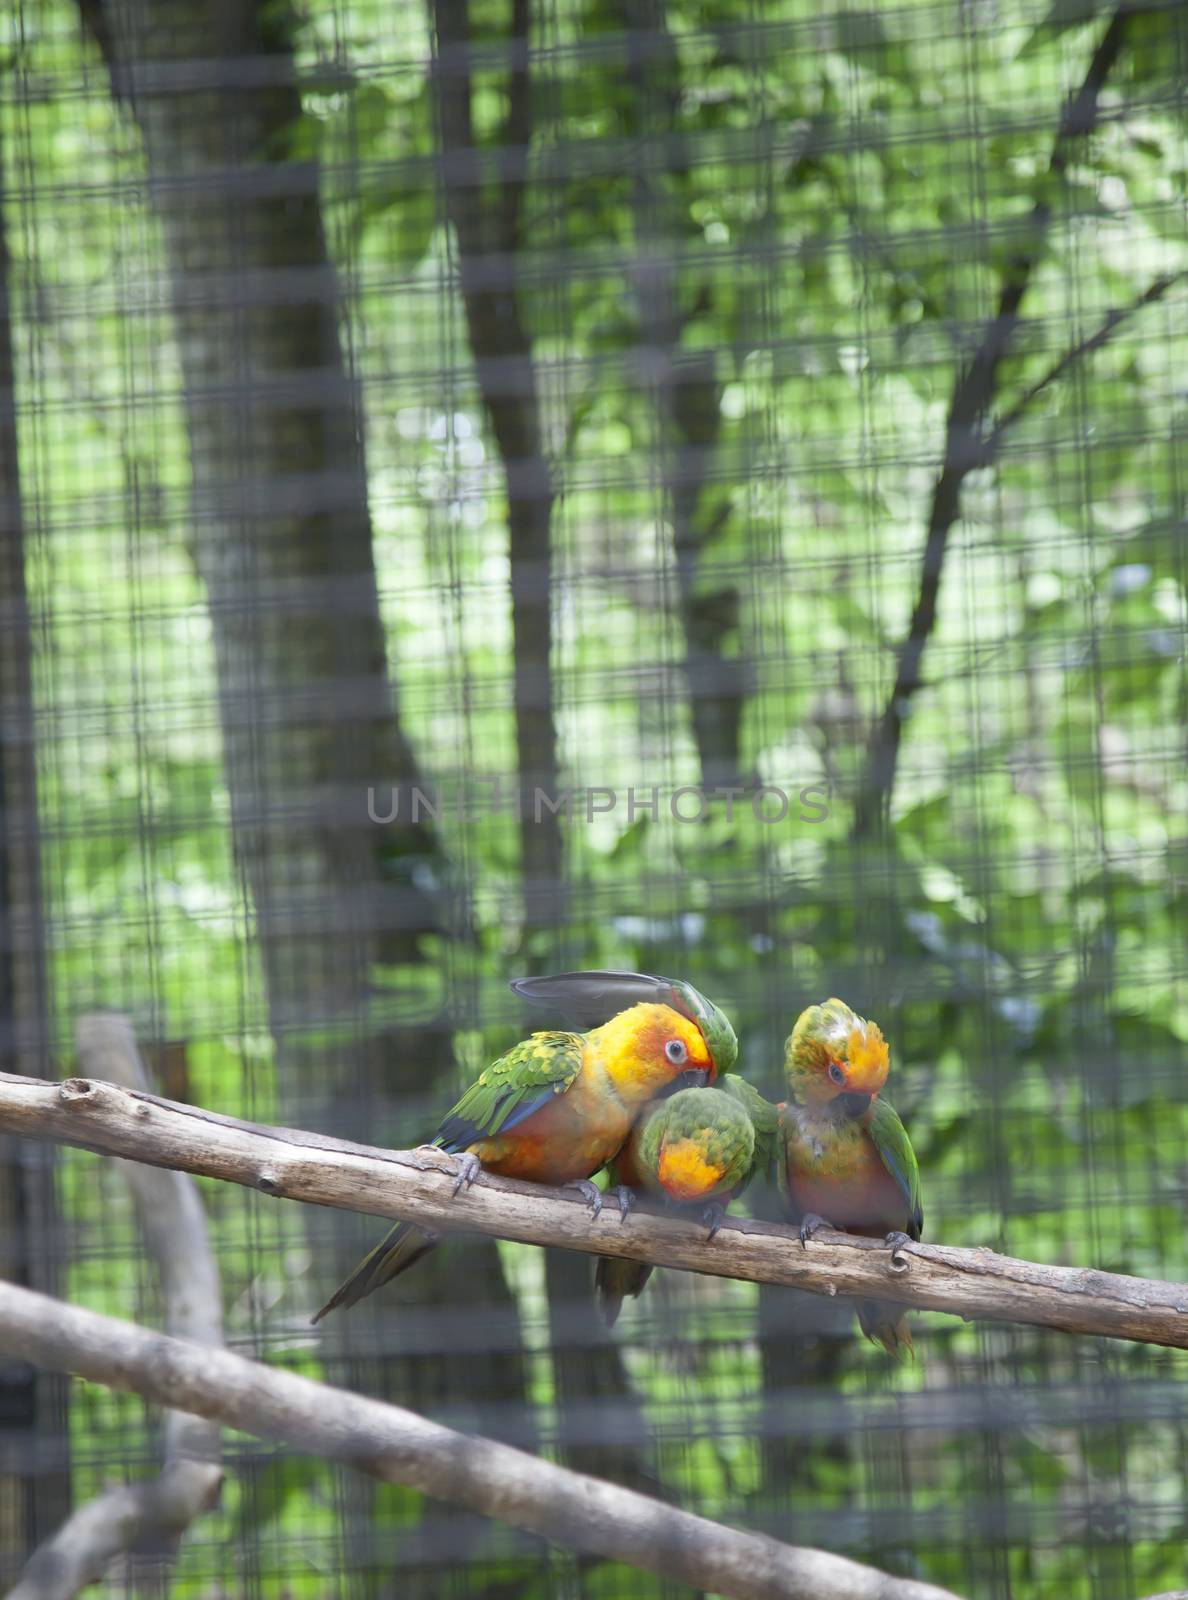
(895, 1149)
(764, 1118)
(715, 1122)
(512, 1088)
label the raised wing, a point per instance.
(512, 1088)
(895, 1149)
(588, 999)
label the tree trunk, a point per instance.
(688, 395)
(281, 536)
(486, 219)
(486, 215)
(34, 1432)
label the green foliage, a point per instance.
(839, 196)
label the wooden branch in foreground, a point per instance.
(418, 1185)
(397, 1446)
(150, 1515)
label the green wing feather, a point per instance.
(766, 1121)
(512, 1088)
(895, 1149)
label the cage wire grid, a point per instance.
(562, 407)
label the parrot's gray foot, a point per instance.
(713, 1216)
(809, 1224)
(626, 1199)
(590, 1193)
(469, 1167)
(896, 1242)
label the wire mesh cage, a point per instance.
(508, 486)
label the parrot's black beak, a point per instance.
(854, 1104)
(691, 1078)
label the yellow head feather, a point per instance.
(631, 1049)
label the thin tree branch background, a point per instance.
(638, 400)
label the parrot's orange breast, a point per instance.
(572, 1135)
(849, 1185)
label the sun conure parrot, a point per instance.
(699, 1147)
(848, 1162)
(559, 1106)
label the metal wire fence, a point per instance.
(693, 487)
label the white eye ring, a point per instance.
(836, 1073)
(676, 1052)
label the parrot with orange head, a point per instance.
(559, 1106)
(847, 1160)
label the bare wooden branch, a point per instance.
(418, 1185)
(397, 1446)
(1101, 336)
(151, 1515)
(973, 395)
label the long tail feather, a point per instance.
(405, 1244)
(884, 1323)
(616, 1278)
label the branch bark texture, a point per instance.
(418, 1185)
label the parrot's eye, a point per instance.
(676, 1052)
(836, 1073)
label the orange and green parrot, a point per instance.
(559, 1106)
(847, 1159)
(699, 1147)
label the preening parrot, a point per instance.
(559, 1106)
(700, 1147)
(847, 1159)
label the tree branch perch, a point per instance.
(418, 1185)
